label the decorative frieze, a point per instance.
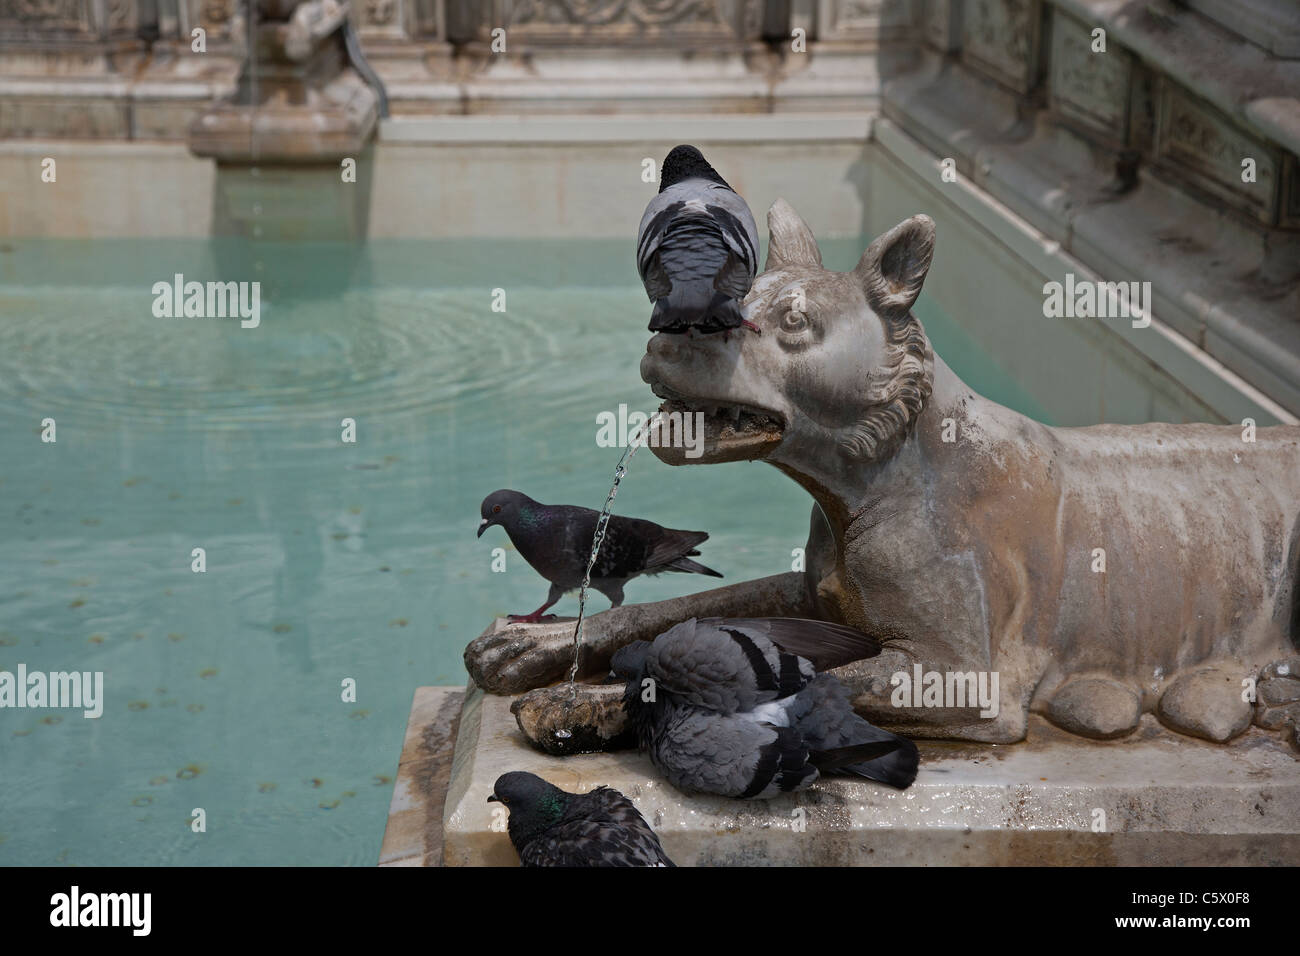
(55, 22)
(1197, 142)
(610, 22)
(1089, 81)
(220, 18)
(1000, 40)
(940, 23)
(47, 17)
(382, 18)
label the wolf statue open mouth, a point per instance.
(1101, 572)
(731, 432)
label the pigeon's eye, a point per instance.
(496, 509)
(794, 321)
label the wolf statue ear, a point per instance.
(893, 268)
(789, 240)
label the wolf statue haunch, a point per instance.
(1099, 572)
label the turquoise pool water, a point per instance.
(325, 560)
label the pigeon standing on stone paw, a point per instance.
(736, 707)
(556, 541)
(552, 827)
(697, 248)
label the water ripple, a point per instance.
(103, 355)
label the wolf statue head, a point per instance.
(840, 371)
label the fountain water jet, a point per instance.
(620, 471)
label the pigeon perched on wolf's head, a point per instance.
(697, 248)
(556, 541)
(552, 827)
(735, 706)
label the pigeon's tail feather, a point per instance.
(692, 567)
(896, 769)
(843, 757)
(724, 312)
(695, 305)
(683, 307)
(824, 714)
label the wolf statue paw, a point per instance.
(1207, 702)
(508, 659)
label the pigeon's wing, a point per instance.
(733, 217)
(634, 545)
(605, 830)
(732, 755)
(641, 843)
(824, 717)
(724, 666)
(664, 545)
(825, 644)
(558, 544)
(663, 209)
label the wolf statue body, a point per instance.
(1099, 573)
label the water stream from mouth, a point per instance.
(620, 470)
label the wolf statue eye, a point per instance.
(794, 321)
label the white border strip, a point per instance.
(599, 130)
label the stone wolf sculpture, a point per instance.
(1098, 572)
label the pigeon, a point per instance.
(552, 827)
(697, 248)
(556, 541)
(736, 707)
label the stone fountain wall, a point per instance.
(125, 69)
(1127, 163)
(1133, 160)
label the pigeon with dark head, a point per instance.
(552, 827)
(556, 541)
(697, 248)
(736, 707)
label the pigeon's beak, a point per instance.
(494, 799)
(482, 526)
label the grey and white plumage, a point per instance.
(736, 707)
(556, 541)
(697, 248)
(552, 827)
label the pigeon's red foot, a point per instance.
(533, 618)
(751, 326)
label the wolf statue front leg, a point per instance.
(520, 657)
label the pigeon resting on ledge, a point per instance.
(552, 827)
(556, 541)
(697, 248)
(735, 706)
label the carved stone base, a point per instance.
(327, 124)
(1152, 798)
(311, 108)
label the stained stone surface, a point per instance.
(1152, 798)
(414, 834)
